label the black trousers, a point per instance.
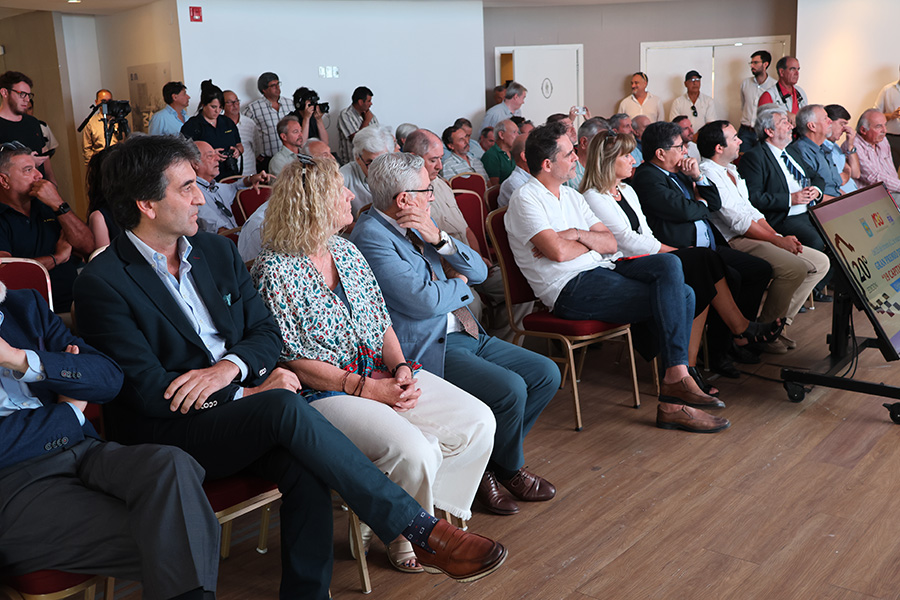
(278, 436)
(133, 512)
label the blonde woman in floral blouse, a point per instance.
(431, 438)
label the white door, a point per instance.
(551, 74)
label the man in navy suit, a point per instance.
(667, 185)
(73, 502)
(425, 275)
(178, 311)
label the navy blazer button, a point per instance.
(77, 374)
(65, 440)
(47, 446)
(440, 340)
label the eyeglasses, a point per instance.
(679, 147)
(274, 84)
(8, 146)
(227, 102)
(429, 190)
(23, 95)
(694, 109)
(692, 79)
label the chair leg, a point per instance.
(705, 343)
(571, 363)
(581, 362)
(634, 381)
(361, 564)
(262, 545)
(90, 593)
(655, 366)
(226, 540)
(109, 589)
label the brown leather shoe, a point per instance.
(529, 487)
(683, 392)
(695, 421)
(460, 555)
(492, 496)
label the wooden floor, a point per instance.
(794, 501)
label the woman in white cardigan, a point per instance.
(616, 204)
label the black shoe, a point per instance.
(822, 297)
(803, 309)
(724, 367)
(744, 355)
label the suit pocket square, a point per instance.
(227, 299)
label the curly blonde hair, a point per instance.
(605, 148)
(304, 209)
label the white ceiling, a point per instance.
(10, 8)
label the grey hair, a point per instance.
(592, 127)
(282, 126)
(392, 173)
(765, 119)
(375, 139)
(501, 126)
(514, 89)
(805, 116)
(420, 142)
(403, 131)
(616, 120)
(863, 122)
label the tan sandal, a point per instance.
(367, 535)
(400, 552)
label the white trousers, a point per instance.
(437, 451)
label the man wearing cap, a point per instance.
(266, 112)
(699, 108)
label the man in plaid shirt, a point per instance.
(266, 112)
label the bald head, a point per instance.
(207, 166)
(639, 124)
(103, 96)
(518, 150)
(317, 149)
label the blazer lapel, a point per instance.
(775, 166)
(210, 293)
(140, 271)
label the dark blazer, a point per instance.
(418, 304)
(670, 215)
(766, 183)
(28, 324)
(124, 309)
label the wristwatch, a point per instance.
(851, 151)
(445, 239)
(63, 209)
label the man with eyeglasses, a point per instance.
(173, 116)
(247, 128)
(752, 88)
(786, 93)
(368, 144)
(16, 125)
(677, 200)
(266, 112)
(424, 275)
(699, 108)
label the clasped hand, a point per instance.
(399, 392)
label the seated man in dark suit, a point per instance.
(666, 184)
(179, 312)
(73, 502)
(424, 275)
(781, 184)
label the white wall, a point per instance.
(83, 59)
(847, 50)
(424, 61)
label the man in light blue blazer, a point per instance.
(425, 275)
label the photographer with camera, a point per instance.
(309, 111)
(211, 126)
(93, 136)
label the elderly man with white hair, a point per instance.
(875, 164)
(368, 144)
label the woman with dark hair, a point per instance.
(100, 218)
(211, 126)
(310, 111)
(616, 204)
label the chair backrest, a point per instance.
(472, 208)
(249, 200)
(363, 209)
(96, 252)
(469, 181)
(516, 286)
(232, 179)
(492, 197)
(25, 273)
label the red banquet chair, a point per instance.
(571, 334)
(54, 585)
(248, 201)
(469, 181)
(26, 273)
(472, 208)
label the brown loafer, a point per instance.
(460, 555)
(492, 496)
(683, 393)
(529, 487)
(695, 421)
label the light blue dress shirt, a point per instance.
(166, 122)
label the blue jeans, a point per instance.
(649, 288)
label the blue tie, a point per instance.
(793, 170)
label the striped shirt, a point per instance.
(266, 118)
